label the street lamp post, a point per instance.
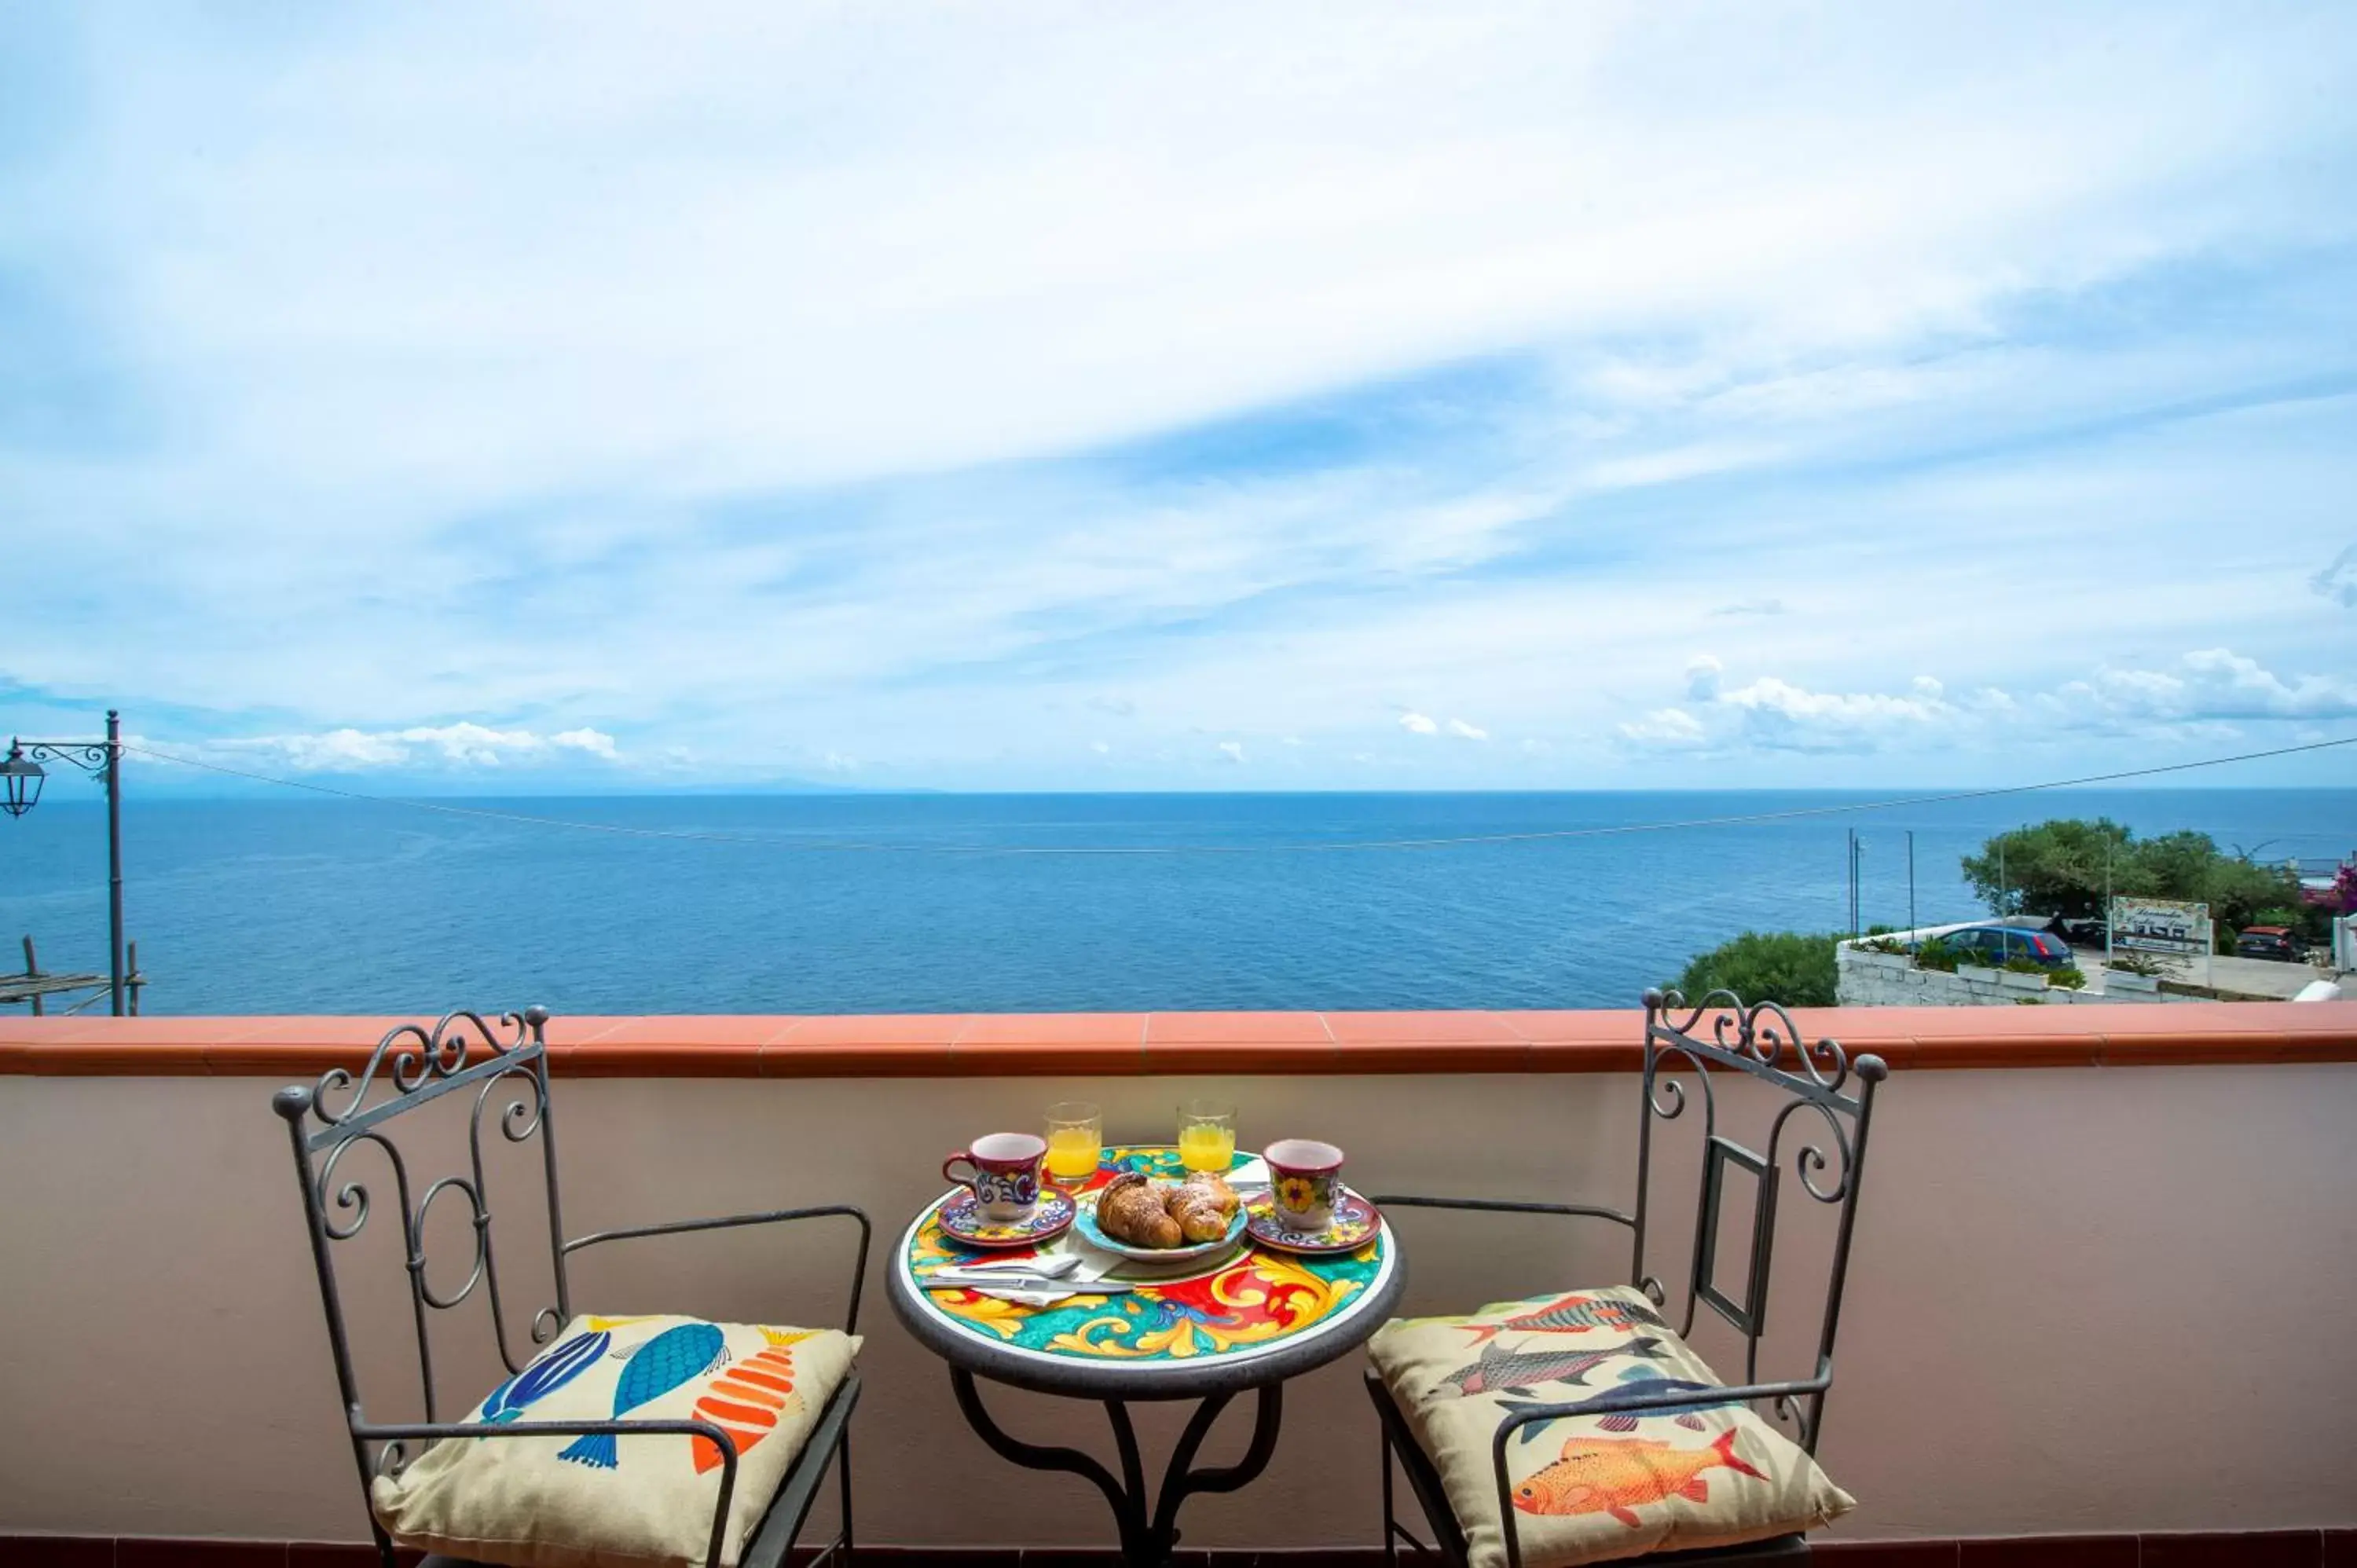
(21, 774)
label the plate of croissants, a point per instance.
(1153, 1221)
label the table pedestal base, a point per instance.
(1145, 1542)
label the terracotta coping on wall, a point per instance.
(955, 1044)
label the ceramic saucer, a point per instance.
(1355, 1223)
(961, 1221)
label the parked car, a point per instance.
(2269, 941)
(1992, 945)
(2086, 932)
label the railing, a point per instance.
(34, 987)
(2036, 1247)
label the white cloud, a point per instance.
(1464, 731)
(1101, 748)
(2212, 683)
(1234, 750)
(1703, 672)
(465, 745)
(1419, 723)
(2338, 582)
(1776, 714)
(839, 762)
(2211, 687)
(1672, 728)
(1675, 464)
(339, 749)
(596, 743)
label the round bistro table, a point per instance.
(1248, 1322)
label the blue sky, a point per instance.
(518, 398)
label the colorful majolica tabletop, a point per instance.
(1250, 1317)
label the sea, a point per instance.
(860, 903)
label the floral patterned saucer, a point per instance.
(1355, 1223)
(961, 1220)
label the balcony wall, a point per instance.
(2100, 1257)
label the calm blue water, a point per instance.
(325, 906)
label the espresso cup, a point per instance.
(1003, 1171)
(1304, 1178)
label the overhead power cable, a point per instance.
(839, 846)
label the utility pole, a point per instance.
(114, 856)
(1910, 889)
(2108, 902)
(1857, 886)
(1849, 877)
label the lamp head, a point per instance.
(20, 781)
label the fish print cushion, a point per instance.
(1587, 1488)
(607, 1500)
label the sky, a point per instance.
(497, 398)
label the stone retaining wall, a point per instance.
(1869, 979)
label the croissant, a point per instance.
(1198, 1214)
(1131, 1208)
(1222, 1196)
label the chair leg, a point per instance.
(1390, 1529)
(843, 1485)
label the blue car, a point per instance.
(1992, 945)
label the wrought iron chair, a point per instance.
(463, 1051)
(1761, 1042)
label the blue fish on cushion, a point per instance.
(546, 1376)
(1636, 1380)
(671, 1357)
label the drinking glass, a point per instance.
(1207, 1134)
(1075, 1140)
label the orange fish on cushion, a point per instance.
(744, 1399)
(1617, 1475)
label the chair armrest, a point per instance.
(1526, 1415)
(731, 1221)
(1507, 1206)
(401, 1431)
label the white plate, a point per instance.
(1086, 1225)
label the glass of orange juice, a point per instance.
(1207, 1134)
(1075, 1140)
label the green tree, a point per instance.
(2055, 868)
(2238, 890)
(1790, 967)
(2059, 867)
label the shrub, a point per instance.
(2136, 964)
(2025, 966)
(2069, 977)
(2311, 921)
(1884, 944)
(1936, 955)
(1790, 967)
